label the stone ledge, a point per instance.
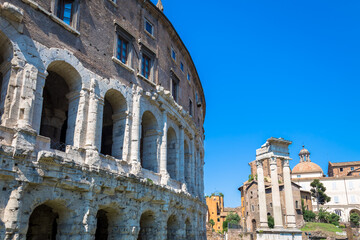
(116, 60)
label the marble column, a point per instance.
(262, 194)
(275, 193)
(289, 200)
(181, 175)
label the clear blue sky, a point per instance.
(276, 68)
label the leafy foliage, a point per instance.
(333, 218)
(212, 222)
(322, 215)
(232, 219)
(309, 216)
(318, 192)
(251, 178)
(354, 219)
(271, 223)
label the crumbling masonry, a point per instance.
(101, 131)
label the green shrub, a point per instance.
(333, 218)
(354, 219)
(309, 216)
(271, 223)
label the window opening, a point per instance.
(145, 69)
(65, 10)
(122, 50)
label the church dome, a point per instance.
(307, 167)
(304, 151)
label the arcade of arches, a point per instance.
(88, 160)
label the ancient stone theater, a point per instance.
(102, 113)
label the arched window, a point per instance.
(60, 104)
(114, 122)
(172, 153)
(148, 143)
(172, 227)
(6, 54)
(43, 224)
(102, 226)
(147, 226)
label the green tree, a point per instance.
(354, 219)
(309, 216)
(271, 223)
(251, 178)
(323, 215)
(333, 218)
(212, 222)
(232, 219)
(318, 192)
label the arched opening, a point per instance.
(253, 223)
(172, 226)
(187, 164)
(148, 143)
(114, 122)
(6, 54)
(60, 104)
(102, 225)
(43, 224)
(188, 230)
(172, 153)
(147, 226)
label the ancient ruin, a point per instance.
(102, 115)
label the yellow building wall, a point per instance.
(215, 208)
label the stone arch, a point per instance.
(48, 221)
(188, 229)
(114, 122)
(6, 55)
(172, 227)
(149, 141)
(102, 225)
(60, 104)
(172, 153)
(187, 164)
(147, 226)
(354, 211)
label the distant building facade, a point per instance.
(215, 204)
(341, 169)
(341, 186)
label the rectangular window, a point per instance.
(341, 169)
(190, 107)
(181, 66)
(173, 54)
(298, 176)
(175, 86)
(188, 77)
(145, 66)
(149, 27)
(334, 186)
(122, 50)
(65, 10)
(336, 199)
(352, 168)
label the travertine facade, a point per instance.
(101, 123)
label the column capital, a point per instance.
(273, 161)
(286, 163)
(259, 163)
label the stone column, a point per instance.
(27, 100)
(136, 129)
(289, 200)
(262, 194)
(40, 83)
(192, 170)
(275, 193)
(181, 155)
(93, 138)
(163, 146)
